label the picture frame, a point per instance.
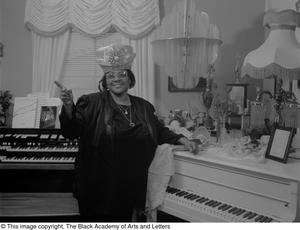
(48, 117)
(47, 113)
(279, 144)
(237, 95)
(237, 102)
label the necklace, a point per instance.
(124, 109)
(125, 112)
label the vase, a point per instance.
(223, 136)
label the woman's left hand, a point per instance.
(190, 145)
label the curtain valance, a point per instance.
(133, 18)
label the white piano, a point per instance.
(211, 188)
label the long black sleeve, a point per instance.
(73, 127)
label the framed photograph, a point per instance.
(279, 144)
(48, 117)
(237, 97)
(47, 113)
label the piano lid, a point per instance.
(290, 171)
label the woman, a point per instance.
(118, 135)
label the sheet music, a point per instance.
(24, 112)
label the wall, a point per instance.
(1, 40)
(240, 24)
(17, 60)
(280, 5)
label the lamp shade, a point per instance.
(188, 47)
(279, 55)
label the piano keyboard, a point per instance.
(36, 159)
(192, 204)
(36, 146)
(42, 149)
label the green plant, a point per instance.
(5, 101)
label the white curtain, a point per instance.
(133, 18)
(48, 59)
(143, 68)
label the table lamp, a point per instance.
(278, 58)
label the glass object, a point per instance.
(223, 135)
(187, 48)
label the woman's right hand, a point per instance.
(67, 98)
(66, 95)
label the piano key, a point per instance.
(258, 218)
(199, 199)
(232, 209)
(209, 202)
(183, 193)
(194, 197)
(44, 136)
(252, 216)
(240, 212)
(263, 219)
(53, 136)
(180, 193)
(202, 200)
(222, 206)
(247, 214)
(269, 219)
(213, 203)
(236, 211)
(188, 196)
(226, 208)
(217, 204)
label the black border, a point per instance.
(287, 147)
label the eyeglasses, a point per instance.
(119, 75)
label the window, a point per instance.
(81, 72)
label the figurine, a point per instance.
(237, 69)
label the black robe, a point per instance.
(111, 167)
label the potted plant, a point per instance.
(5, 102)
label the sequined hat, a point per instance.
(115, 57)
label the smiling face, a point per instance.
(118, 81)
